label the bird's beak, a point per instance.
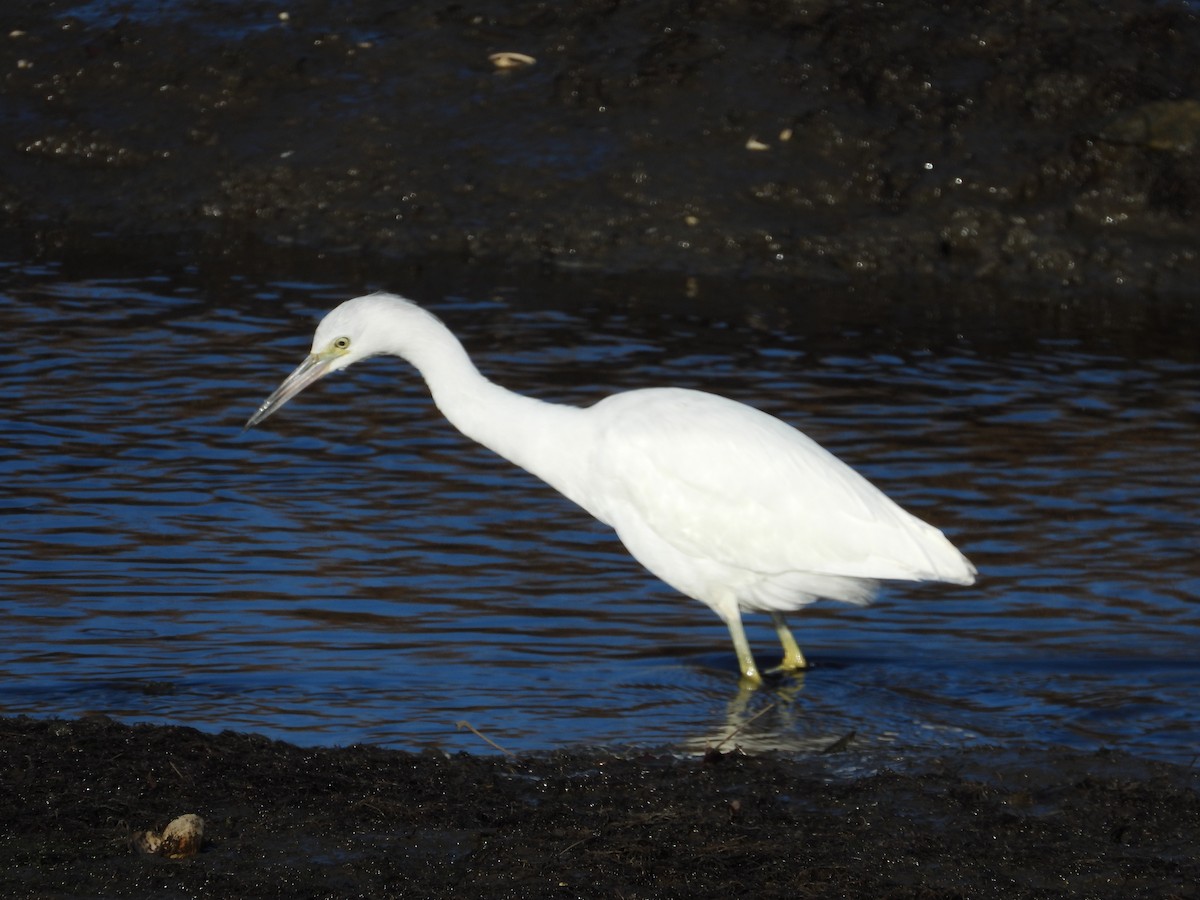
(312, 369)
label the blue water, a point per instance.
(356, 571)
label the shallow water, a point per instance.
(355, 571)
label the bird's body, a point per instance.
(723, 502)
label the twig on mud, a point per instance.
(574, 844)
(841, 743)
(464, 725)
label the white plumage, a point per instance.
(725, 503)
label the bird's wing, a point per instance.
(721, 480)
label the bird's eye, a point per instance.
(342, 343)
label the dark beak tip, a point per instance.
(260, 414)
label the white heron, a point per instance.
(725, 503)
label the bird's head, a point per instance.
(346, 335)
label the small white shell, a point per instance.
(755, 144)
(179, 840)
(509, 59)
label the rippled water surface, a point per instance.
(356, 571)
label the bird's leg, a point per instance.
(750, 676)
(793, 659)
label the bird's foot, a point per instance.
(750, 681)
(786, 668)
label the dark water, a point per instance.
(356, 571)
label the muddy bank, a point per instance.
(282, 821)
(1040, 146)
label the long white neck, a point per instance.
(546, 439)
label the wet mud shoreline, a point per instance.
(1042, 146)
(283, 821)
(1041, 149)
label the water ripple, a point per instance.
(359, 572)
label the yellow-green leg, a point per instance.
(793, 659)
(750, 675)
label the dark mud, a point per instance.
(1036, 144)
(289, 822)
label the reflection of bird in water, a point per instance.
(723, 502)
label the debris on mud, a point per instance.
(286, 821)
